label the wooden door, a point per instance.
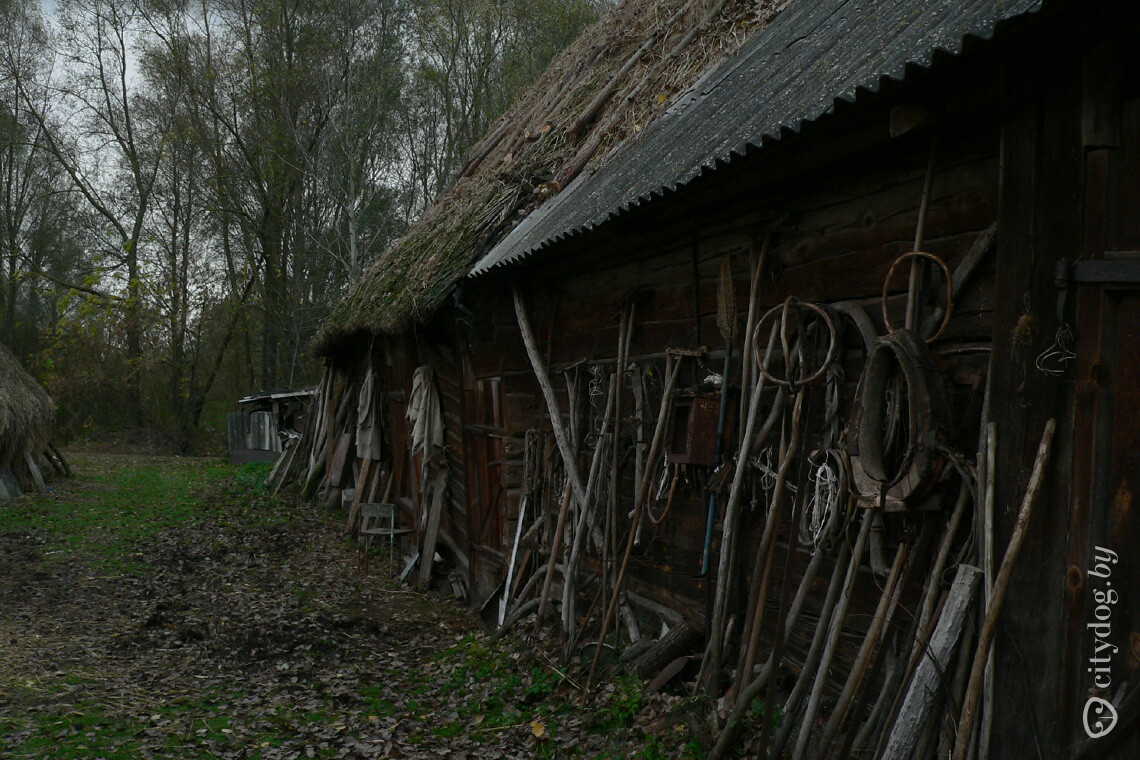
(1100, 698)
(1103, 581)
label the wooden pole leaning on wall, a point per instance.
(1001, 583)
(765, 553)
(906, 729)
(987, 518)
(887, 706)
(726, 563)
(583, 526)
(555, 548)
(639, 503)
(543, 378)
(609, 547)
(319, 438)
(870, 643)
(750, 356)
(755, 684)
(914, 285)
(831, 642)
(805, 678)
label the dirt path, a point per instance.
(138, 619)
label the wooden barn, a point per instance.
(792, 349)
(26, 417)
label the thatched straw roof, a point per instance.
(618, 77)
(26, 411)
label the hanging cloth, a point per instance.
(368, 419)
(425, 416)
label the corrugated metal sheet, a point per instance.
(813, 55)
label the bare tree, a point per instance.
(25, 176)
(109, 160)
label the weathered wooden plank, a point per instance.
(927, 683)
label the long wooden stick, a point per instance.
(333, 419)
(804, 680)
(639, 503)
(988, 568)
(506, 600)
(833, 632)
(943, 738)
(555, 548)
(580, 528)
(1001, 583)
(764, 675)
(911, 657)
(749, 358)
(766, 553)
(764, 678)
(782, 620)
(919, 234)
(870, 643)
(320, 402)
(625, 327)
(930, 593)
(726, 564)
(555, 414)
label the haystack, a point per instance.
(26, 417)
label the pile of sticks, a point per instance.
(588, 516)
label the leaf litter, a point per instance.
(250, 629)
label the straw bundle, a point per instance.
(26, 411)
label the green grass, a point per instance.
(115, 512)
(85, 731)
(111, 514)
(252, 476)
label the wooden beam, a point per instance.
(927, 683)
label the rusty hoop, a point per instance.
(949, 291)
(783, 310)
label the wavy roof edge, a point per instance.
(812, 57)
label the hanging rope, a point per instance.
(828, 479)
(764, 465)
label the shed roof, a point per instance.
(812, 57)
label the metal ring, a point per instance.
(783, 309)
(949, 291)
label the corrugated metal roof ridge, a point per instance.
(719, 125)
